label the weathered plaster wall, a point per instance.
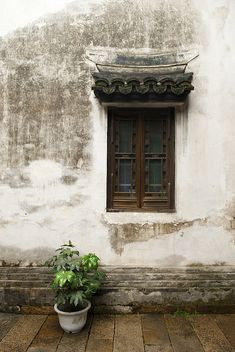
(53, 136)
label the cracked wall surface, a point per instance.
(53, 136)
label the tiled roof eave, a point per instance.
(110, 86)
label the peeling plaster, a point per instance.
(122, 234)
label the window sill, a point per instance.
(141, 211)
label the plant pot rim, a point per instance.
(73, 313)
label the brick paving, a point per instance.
(119, 333)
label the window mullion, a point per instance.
(138, 131)
(141, 160)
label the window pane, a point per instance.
(154, 136)
(155, 175)
(125, 136)
(125, 175)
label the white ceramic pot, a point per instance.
(74, 321)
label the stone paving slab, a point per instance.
(226, 323)
(210, 335)
(182, 335)
(119, 333)
(76, 342)
(22, 333)
(155, 333)
(7, 321)
(48, 337)
(128, 334)
(101, 335)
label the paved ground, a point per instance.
(120, 333)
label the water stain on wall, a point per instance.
(14, 256)
(46, 97)
(122, 234)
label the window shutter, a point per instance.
(122, 160)
(158, 160)
(141, 159)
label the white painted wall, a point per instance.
(205, 166)
(19, 13)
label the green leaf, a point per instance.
(63, 277)
(75, 264)
(77, 298)
(90, 262)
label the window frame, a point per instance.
(127, 204)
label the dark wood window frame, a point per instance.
(141, 196)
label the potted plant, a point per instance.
(75, 279)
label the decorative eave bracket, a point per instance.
(142, 77)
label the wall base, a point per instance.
(208, 289)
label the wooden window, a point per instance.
(140, 159)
